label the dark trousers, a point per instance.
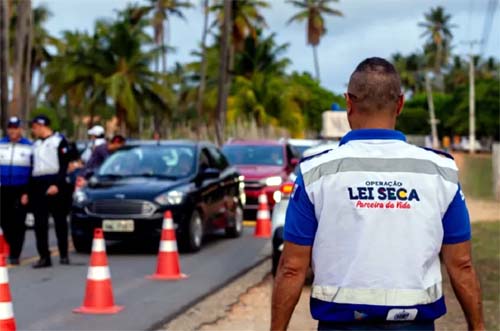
(55, 205)
(12, 218)
(387, 325)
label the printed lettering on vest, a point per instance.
(383, 195)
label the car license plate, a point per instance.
(118, 225)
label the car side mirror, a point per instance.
(210, 173)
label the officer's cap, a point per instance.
(14, 122)
(42, 120)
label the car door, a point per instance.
(228, 186)
(208, 188)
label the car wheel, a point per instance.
(193, 236)
(82, 244)
(235, 229)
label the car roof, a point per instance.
(254, 142)
(177, 142)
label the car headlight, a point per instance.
(79, 197)
(170, 198)
(273, 181)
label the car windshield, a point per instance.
(150, 161)
(254, 155)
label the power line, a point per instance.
(488, 23)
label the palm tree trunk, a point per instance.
(4, 61)
(19, 57)
(316, 62)
(203, 69)
(28, 68)
(163, 53)
(223, 74)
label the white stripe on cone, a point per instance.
(263, 215)
(263, 198)
(98, 245)
(168, 246)
(168, 224)
(6, 311)
(4, 276)
(98, 273)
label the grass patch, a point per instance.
(477, 176)
(486, 255)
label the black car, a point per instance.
(130, 192)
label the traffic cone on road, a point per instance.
(168, 266)
(263, 226)
(99, 292)
(7, 321)
(4, 246)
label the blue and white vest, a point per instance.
(15, 162)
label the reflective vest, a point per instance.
(15, 162)
(45, 155)
(376, 211)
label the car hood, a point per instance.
(131, 188)
(259, 172)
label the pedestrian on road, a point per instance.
(97, 136)
(47, 185)
(15, 171)
(374, 215)
(101, 153)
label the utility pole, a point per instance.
(472, 96)
(472, 106)
(432, 113)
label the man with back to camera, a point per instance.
(373, 216)
(15, 171)
(97, 136)
(47, 185)
(101, 153)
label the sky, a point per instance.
(368, 28)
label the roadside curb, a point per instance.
(215, 305)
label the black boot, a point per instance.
(13, 261)
(44, 262)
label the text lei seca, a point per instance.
(383, 195)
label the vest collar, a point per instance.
(372, 134)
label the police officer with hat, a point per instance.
(15, 170)
(48, 181)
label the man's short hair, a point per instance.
(374, 85)
(118, 139)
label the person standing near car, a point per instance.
(97, 136)
(101, 153)
(374, 216)
(15, 170)
(47, 186)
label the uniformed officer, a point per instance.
(50, 163)
(373, 215)
(15, 170)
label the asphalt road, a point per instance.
(44, 299)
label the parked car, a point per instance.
(265, 165)
(133, 188)
(279, 210)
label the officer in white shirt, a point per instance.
(47, 187)
(372, 218)
(97, 136)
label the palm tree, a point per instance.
(313, 11)
(162, 10)
(203, 69)
(437, 29)
(4, 60)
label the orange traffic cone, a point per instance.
(168, 266)
(4, 246)
(7, 321)
(263, 226)
(99, 292)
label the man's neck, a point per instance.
(47, 134)
(374, 124)
(15, 140)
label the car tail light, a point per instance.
(287, 189)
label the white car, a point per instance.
(279, 210)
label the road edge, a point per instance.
(163, 323)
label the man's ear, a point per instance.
(348, 103)
(401, 102)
